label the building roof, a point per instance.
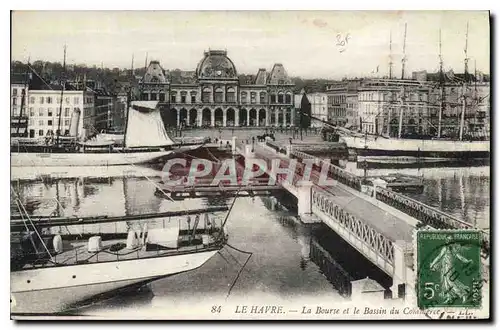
(182, 77)
(278, 76)
(246, 79)
(155, 74)
(261, 77)
(216, 65)
(20, 78)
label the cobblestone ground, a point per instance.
(282, 136)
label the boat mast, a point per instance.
(401, 99)
(390, 77)
(23, 97)
(390, 55)
(403, 60)
(129, 96)
(464, 85)
(441, 83)
(58, 132)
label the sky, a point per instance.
(310, 44)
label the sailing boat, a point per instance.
(146, 141)
(381, 148)
(61, 263)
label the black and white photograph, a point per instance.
(250, 165)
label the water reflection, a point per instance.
(326, 251)
(461, 190)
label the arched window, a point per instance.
(173, 97)
(280, 97)
(273, 98)
(263, 97)
(253, 97)
(206, 95)
(219, 95)
(288, 98)
(244, 97)
(230, 95)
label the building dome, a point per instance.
(216, 65)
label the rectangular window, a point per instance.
(253, 98)
(154, 96)
(32, 100)
(42, 99)
(49, 122)
(273, 98)
(172, 98)
(280, 98)
(14, 101)
(66, 122)
(67, 100)
(193, 98)
(14, 92)
(32, 122)
(32, 112)
(183, 99)
(162, 97)
(40, 122)
(49, 112)
(14, 112)
(49, 100)
(40, 112)
(40, 132)
(76, 100)
(66, 112)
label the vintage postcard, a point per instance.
(250, 165)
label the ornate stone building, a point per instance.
(215, 95)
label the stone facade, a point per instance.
(380, 103)
(215, 96)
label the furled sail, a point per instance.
(145, 127)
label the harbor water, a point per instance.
(289, 261)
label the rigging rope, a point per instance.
(18, 202)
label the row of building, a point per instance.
(425, 104)
(215, 95)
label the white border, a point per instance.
(191, 5)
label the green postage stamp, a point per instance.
(448, 268)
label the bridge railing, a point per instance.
(275, 146)
(335, 172)
(377, 242)
(427, 214)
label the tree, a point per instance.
(305, 112)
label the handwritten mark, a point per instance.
(342, 42)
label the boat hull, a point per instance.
(23, 159)
(55, 289)
(419, 149)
